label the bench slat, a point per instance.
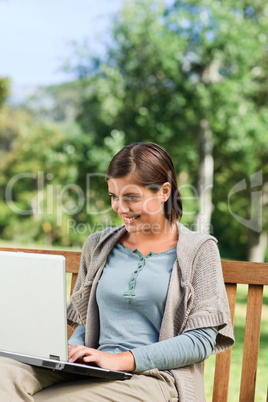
(251, 343)
(72, 257)
(223, 360)
(245, 272)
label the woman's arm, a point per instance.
(190, 347)
(113, 361)
(78, 337)
(78, 352)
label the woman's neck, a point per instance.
(157, 242)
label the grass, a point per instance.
(237, 352)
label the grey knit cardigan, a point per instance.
(196, 298)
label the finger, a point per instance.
(76, 348)
(90, 359)
(77, 353)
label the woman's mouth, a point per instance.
(130, 220)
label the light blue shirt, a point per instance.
(131, 296)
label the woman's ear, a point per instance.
(165, 191)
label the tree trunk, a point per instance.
(258, 240)
(257, 245)
(205, 178)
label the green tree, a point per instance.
(4, 89)
(37, 182)
(227, 48)
(6, 131)
(189, 77)
(55, 103)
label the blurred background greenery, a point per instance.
(189, 75)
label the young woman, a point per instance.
(149, 297)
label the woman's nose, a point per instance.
(122, 206)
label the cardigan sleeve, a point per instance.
(73, 317)
(208, 301)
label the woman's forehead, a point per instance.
(124, 184)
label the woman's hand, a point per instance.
(114, 361)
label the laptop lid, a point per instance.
(33, 314)
(33, 304)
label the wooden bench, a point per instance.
(255, 275)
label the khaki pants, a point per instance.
(21, 382)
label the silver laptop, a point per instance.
(33, 314)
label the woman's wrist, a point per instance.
(128, 361)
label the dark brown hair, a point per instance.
(151, 167)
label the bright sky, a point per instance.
(35, 35)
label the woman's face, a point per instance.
(141, 209)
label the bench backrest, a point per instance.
(255, 275)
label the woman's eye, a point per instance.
(126, 198)
(113, 197)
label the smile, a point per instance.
(129, 220)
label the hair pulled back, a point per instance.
(150, 166)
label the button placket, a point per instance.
(132, 282)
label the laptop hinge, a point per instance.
(53, 357)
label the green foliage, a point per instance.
(33, 150)
(170, 68)
(4, 90)
(51, 191)
(166, 70)
(55, 103)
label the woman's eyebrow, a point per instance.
(127, 194)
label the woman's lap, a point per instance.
(21, 382)
(151, 386)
